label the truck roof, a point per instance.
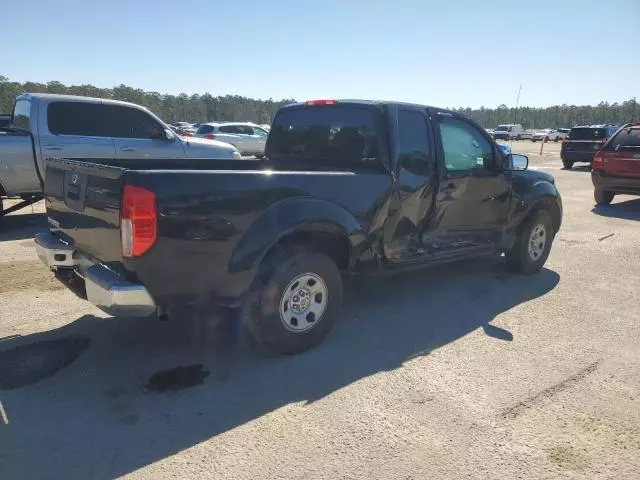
(372, 102)
(77, 98)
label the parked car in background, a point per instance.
(509, 131)
(5, 120)
(506, 149)
(526, 134)
(563, 132)
(346, 187)
(583, 141)
(489, 131)
(266, 126)
(616, 166)
(48, 125)
(545, 135)
(248, 138)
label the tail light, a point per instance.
(311, 103)
(210, 137)
(138, 220)
(566, 139)
(598, 161)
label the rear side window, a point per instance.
(21, 112)
(627, 138)
(341, 135)
(228, 129)
(127, 122)
(414, 147)
(588, 133)
(76, 118)
(204, 129)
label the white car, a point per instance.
(563, 132)
(545, 135)
(248, 138)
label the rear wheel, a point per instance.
(556, 139)
(518, 138)
(294, 303)
(568, 164)
(533, 244)
(603, 197)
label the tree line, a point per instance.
(558, 116)
(206, 107)
(170, 108)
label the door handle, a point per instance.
(127, 149)
(52, 147)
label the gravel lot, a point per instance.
(462, 371)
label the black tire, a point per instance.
(545, 139)
(603, 197)
(518, 138)
(533, 140)
(567, 164)
(556, 139)
(261, 317)
(519, 258)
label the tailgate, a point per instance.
(83, 207)
(622, 164)
(590, 146)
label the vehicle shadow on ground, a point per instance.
(22, 226)
(627, 210)
(96, 418)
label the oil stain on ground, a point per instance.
(177, 378)
(27, 364)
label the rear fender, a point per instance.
(290, 216)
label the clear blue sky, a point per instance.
(447, 53)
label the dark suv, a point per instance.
(582, 143)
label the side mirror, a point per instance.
(515, 161)
(168, 136)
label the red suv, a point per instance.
(616, 166)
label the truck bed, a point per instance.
(210, 222)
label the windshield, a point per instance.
(503, 128)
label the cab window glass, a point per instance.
(465, 148)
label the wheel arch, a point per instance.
(315, 223)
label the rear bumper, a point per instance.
(623, 185)
(104, 288)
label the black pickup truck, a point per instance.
(345, 187)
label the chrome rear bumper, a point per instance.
(105, 289)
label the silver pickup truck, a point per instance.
(62, 126)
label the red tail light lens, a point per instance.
(598, 161)
(210, 137)
(138, 219)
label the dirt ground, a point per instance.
(463, 371)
